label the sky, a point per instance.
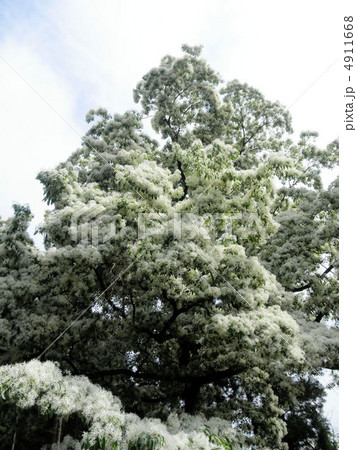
(61, 58)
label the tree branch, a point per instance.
(175, 135)
(161, 336)
(183, 180)
(309, 285)
(197, 379)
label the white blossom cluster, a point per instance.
(43, 385)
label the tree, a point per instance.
(197, 276)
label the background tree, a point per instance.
(217, 294)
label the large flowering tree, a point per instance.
(195, 279)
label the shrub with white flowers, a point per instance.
(109, 427)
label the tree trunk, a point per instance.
(59, 431)
(15, 432)
(190, 396)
